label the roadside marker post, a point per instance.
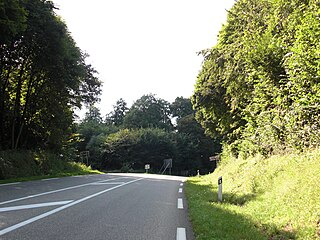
(84, 156)
(220, 189)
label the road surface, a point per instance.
(99, 207)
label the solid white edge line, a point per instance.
(55, 191)
(8, 184)
(180, 190)
(181, 234)
(31, 220)
(48, 179)
(38, 205)
(180, 203)
(107, 183)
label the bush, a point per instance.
(17, 164)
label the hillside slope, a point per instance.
(274, 198)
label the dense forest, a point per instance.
(148, 132)
(259, 89)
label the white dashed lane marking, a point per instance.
(180, 203)
(181, 234)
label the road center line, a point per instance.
(180, 190)
(180, 203)
(31, 220)
(38, 205)
(181, 234)
(181, 184)
(55, 191)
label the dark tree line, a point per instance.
(43, 76)
(148, 132)
(259, 88)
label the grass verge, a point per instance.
(16, 166)
(274, 198)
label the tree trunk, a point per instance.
(16, 121)
(3, 112)
(24, 114)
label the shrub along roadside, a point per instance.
(27, 165)
(274, 198)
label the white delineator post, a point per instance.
(220, 189)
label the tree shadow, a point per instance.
(214, 220)
(234, 199)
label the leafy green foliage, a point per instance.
(117, 115)
(43, 77)
(137, 148)
(258, 87)
(90, 136)
(25, 165)
(112, 145)
(12, 20)
(93, 115)
(148, 112)
(181, 107)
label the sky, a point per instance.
(144, 46)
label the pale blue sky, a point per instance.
(144, 46)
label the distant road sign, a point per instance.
(214, 158)
(147, 166)
(168, 162)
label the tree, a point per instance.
(194, 147)
(91, 133)
(258, 86)
(117, 115)
(148, 112)
(12, 20)
(181, 107)
(137, 147)
(93, 115)
(43, 77)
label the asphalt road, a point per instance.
(110, 206)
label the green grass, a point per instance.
(274, 198)
(16, 166)
(74, 169)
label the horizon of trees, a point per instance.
(148, 132)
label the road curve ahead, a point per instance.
(97, 207)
